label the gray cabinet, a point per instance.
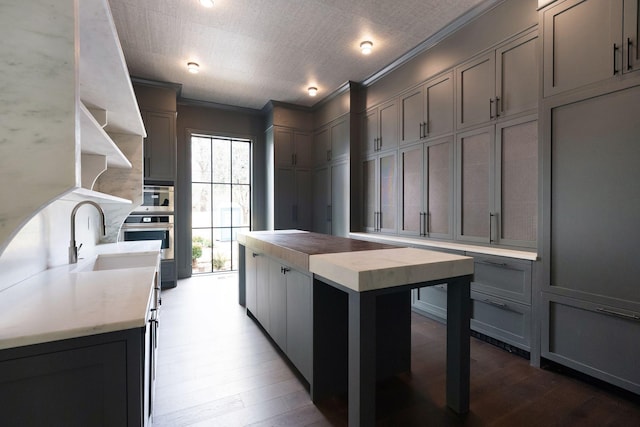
(331, 199)
(95, 380)
(426, 202)
(160, 146)
(292, 180)
(498, 84)
(427, 111)
(588, 41)
(280, 298)
(380, 128)
(299, 311)
(497, 169)
(379, 178)
(332, 142)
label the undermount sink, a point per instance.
(120, 261)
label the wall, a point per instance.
(44, 241)
(217, 120)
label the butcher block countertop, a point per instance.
(356, 264)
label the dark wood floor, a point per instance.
(216, 368)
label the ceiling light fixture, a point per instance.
(366, 47)
(313, 91)
(193, 67)
(206, 3)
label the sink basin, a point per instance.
(121, 261)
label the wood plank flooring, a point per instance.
(217, 368)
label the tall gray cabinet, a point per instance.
(590, 302)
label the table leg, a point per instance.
(362, 359)
(458, 343)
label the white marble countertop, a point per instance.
(385, 268)
(486, 250)
(70, 302)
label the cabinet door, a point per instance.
(339, 140)
(438, 185)
(370, 131)
(321, 144)
(277, 304)
(285, 198)
(387, 221)
(388, 126)
(283, 147)
(438, 107)
(340, 203)
(411, 191)
(475, 163)
(595, 196)
(303, 153)
(412, 116)
(322, 200)
(251, 277)
(263, 274)
(631, 35)
(299, 322)
(581, 43)
(369, 199)
(160, 146)
(517, 182)
(517, 76)
(302, 219)
(476, 91)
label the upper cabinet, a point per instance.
(332, 142)
(588, 41)
(427, 111)
(498, 84)
(69, 102)
(380, 128)
(160, 146)
(292, 148)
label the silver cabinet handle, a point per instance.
(496, 303)
(617, 313)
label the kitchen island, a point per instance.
(340, 310)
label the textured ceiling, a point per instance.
(253, 51)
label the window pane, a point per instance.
(221, 160)
(241, 162)
(221, 259)
(201, 250)
(201, 205)
(200, 159)
(222, 205)
(241, 205)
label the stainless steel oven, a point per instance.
(156, 198)
(155, 226)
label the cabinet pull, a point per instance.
(490, 108)
(496, 303)
(618, 314)
(494, 263)
(498, 107)
(421, 223)
(255, 254)
(615, 51)
(284, 270)
(421, 125)
(629, 47)
(379, 221)
(491, 215)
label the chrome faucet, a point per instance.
(73, 249)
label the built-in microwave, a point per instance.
(156, 198)
(150, 227)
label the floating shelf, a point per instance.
(94, 140)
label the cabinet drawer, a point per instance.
(431, 300)
(592, 338)
(502, 277)
(504, 320)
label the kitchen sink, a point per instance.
(120, 261)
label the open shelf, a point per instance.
(94, 140)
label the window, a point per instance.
(221, 200)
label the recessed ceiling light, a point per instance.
(193, 67)
(366, 47)
(206, 3)
(313, 91)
